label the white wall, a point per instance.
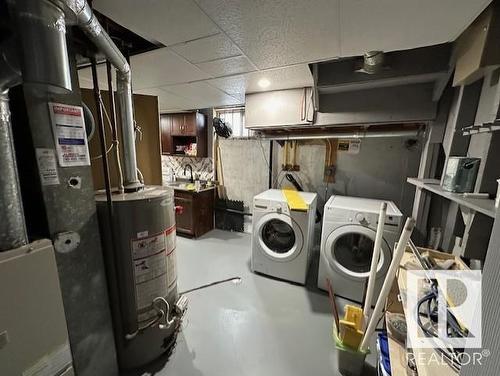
(245, 168)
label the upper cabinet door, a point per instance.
(190, 124)
(177, 124)
(166, 134)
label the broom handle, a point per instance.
(389, 279)
(373, 268)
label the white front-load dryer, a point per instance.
(347, 240)
(282, 238)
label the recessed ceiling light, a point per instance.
(263, 83)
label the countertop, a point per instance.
(182, 186)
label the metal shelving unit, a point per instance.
(480, 205)
(481, 128)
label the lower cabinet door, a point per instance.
(184, 220)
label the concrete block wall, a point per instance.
(378, 171)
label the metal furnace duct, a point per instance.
(12, 226)
(94, 31)
(145, 233)
(42, 33)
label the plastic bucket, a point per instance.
(349, 362)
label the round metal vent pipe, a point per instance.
(94, 31)
(42, 34)
(373, 62)
(12, 226)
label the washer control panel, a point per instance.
(360, 217)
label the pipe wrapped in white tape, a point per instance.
(389, 279)
(374, 265)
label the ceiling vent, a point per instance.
(373, 62)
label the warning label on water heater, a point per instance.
(154, 270)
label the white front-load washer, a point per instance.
(347, 239)
(282, 238)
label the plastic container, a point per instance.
(460, 174)
(350, 362)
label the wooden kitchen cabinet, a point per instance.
(191, 123)
(177, 124)
(186, 124)
(165, 133)
(183, 129)
(184, 220)
(197, 217)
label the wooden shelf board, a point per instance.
(480, 205)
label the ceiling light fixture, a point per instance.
(264, 82)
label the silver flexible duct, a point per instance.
(94, 31)
(12, 226)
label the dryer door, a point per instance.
(349, 250)
(279, 237)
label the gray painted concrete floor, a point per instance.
(261, 326)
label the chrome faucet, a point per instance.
(191, 170)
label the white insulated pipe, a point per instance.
(375, 258)
(304, 135)
(388, 281)
(94, 31)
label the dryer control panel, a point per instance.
(271, 206)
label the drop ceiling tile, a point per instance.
(162, 67)
(166, 100)
(390, 25)
(275, 33)
(231, 85)
(209, 48)
(85, 77)
(226, 67)
(84, 82)
(167, 21)
(280, 78)
(201, 95)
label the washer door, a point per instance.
(279, 236)
(349, 250)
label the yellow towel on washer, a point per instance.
(295, 200)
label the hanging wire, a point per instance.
(109, 124)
